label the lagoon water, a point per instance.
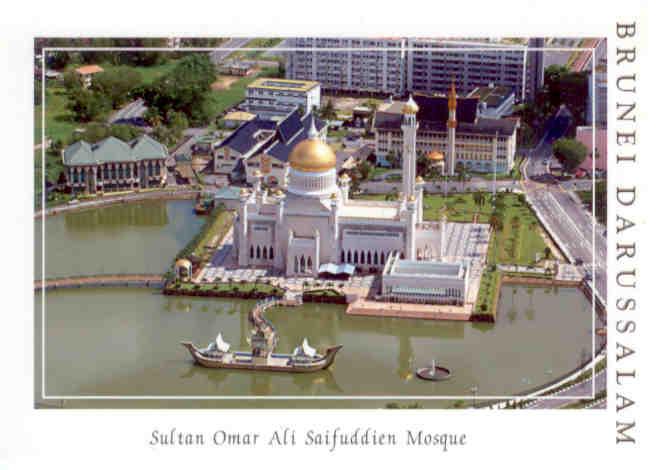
(125, 342)
(132, 238)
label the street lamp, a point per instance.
(473, 390)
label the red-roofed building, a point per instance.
(86, 72)
(584, 135)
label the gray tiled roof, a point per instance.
(112, 149)
(433, 115)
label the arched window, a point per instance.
(342, 258)
(264, 253)
(295, 264)
(368, 257)
(355, 257)
(252, 251)
(258, 254)
(348, 257)
(376, 257)
(382, 257)
(309, 263)
(362, 258)
(270, 252)
(302, 263)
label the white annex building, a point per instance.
(313, 222)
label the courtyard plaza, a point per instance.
(463, 241)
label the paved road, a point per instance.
(234, 43)
(582, 389)
(131, 113)
(564, 214)
(381, 187)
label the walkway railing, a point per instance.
(101, 280)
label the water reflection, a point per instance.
(379, 355)
(117, 218)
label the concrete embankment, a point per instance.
(416, 311)
(124, 198)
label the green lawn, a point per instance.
(220, 226)
(220, 287)
(486, 302)
(60, 122)
(511, 246)
(379, 171)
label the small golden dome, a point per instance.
(419, 179)
(182, 263)
(410, 107)
(257, 174)
(435, 156)
(344, 177)
(333, 196)
(412, 198)
(312, 155)
(278, 192)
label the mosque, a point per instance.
(312, 226)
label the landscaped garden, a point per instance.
(486, 302)
(517, 237)
(200, 248)
(225, 289)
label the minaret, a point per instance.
(451, 128)
(409, 128)
(241, 234)
(411, 229)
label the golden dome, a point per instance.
(182, 263)
(435, 156)
(412, 198)
(410, 107)
(333, 196)
(312, 155)
(344, 177)
(419, 179)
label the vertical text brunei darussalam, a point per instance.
(625, 194)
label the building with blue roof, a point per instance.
(264, 146)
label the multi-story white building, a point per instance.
(432, 64)
(398, 65)
(348, 67)
(275, 97)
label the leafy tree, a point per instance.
(328, 111)
(177, 122)
(72, 81)
(95, 132)
(186, 88)
(87, 105)
(116, 84)
(570, 152)
(461, 173)
(394, 159)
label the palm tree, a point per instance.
(461, 171)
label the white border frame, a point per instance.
(532, 396)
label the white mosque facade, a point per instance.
(313, 222)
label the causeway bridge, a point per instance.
(101, 280)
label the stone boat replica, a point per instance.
(263, 341)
